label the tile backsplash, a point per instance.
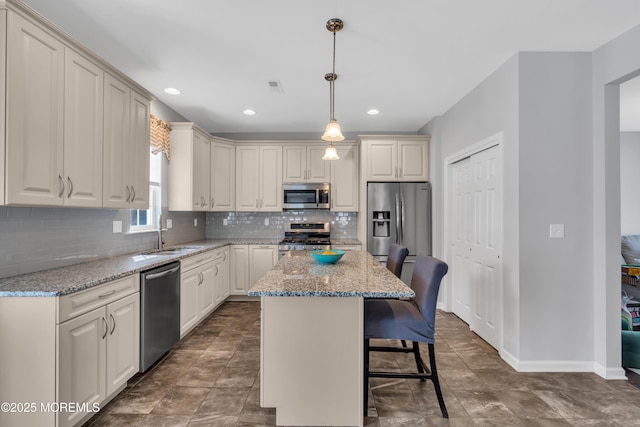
(34, 239)
(253, 224)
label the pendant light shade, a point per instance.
(330, 153)
(332, 132)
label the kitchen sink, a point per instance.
(169, 251)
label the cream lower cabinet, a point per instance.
(204, 284)
(221, 263)
(248, 264)
(99, 352)
(347, 247)
(79, 348)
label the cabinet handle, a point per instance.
(133, 193)
(400, 174)
(305, 175)
(395, 174)
(212, 202)
(113, 291)
(128, 193)
(113, 319)
(106, 328)
(224, 256)
(61, 182)
(216, 270)
(70, 187)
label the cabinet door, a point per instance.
(123, 341)
(262, 259)
(239, 270)
(83, 131)
(201, 179)
(224, 274)
(247, 178)
(223, 177)
(35, 106)
(381, 160)
(221, 277)
(189, 284)
(139, 152)
(318, 170)
(345, 180)
(116, 158)
(413, 164)
(206, 290)
(295, 164)
(82, 362)
(270, 178)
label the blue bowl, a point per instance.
(327, 259)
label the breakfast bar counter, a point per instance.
(311, 360)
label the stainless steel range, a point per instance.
(305, 236)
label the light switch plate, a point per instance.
(169, 223)
(117, 226)
(195, 222)
(556, 231)
(225, 221)
(266, 221)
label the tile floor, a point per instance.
(211, 379)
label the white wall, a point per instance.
(612, 64)
(555, 188)
(490, 108)
(629, 183)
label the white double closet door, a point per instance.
(476, 237)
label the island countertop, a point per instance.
(357, 274)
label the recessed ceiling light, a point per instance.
(248, 112)
(172, 91)
(373, 112)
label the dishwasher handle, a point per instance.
(161, 274)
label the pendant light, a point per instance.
(332, 132)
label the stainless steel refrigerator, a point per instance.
(399, 212)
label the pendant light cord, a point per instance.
(333, 80)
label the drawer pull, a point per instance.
(113, 291)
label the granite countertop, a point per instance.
(77, 277)
(357, 274)
(345, 241)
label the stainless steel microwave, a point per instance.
(306, 196)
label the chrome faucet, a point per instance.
(160, 238)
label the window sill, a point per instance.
(141, 231)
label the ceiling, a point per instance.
(410, 59)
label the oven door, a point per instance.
(300, 196)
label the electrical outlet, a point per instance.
(266, 221)
(556, 231)
(117, 226)
(169, 223)
(225, 221)
(195, 222)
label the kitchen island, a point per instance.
(311, 361)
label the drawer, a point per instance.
(194, 261)
(70, 306)
(220, 255)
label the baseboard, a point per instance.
(562, 366)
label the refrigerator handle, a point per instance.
(398, 225)
(402, 221)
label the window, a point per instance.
(146, 219)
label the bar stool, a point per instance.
(395, 258)
(410, 320)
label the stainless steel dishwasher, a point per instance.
(159, 312)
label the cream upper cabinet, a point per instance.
(345, 179)
(34, 107)
(303, 163)
(396, 158)
(259, 178)
(126, 146)
(83, 131)
(189, 168)
(223, 175)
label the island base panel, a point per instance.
(311, 360)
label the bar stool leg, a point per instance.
(366, 378)
(436, 382)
